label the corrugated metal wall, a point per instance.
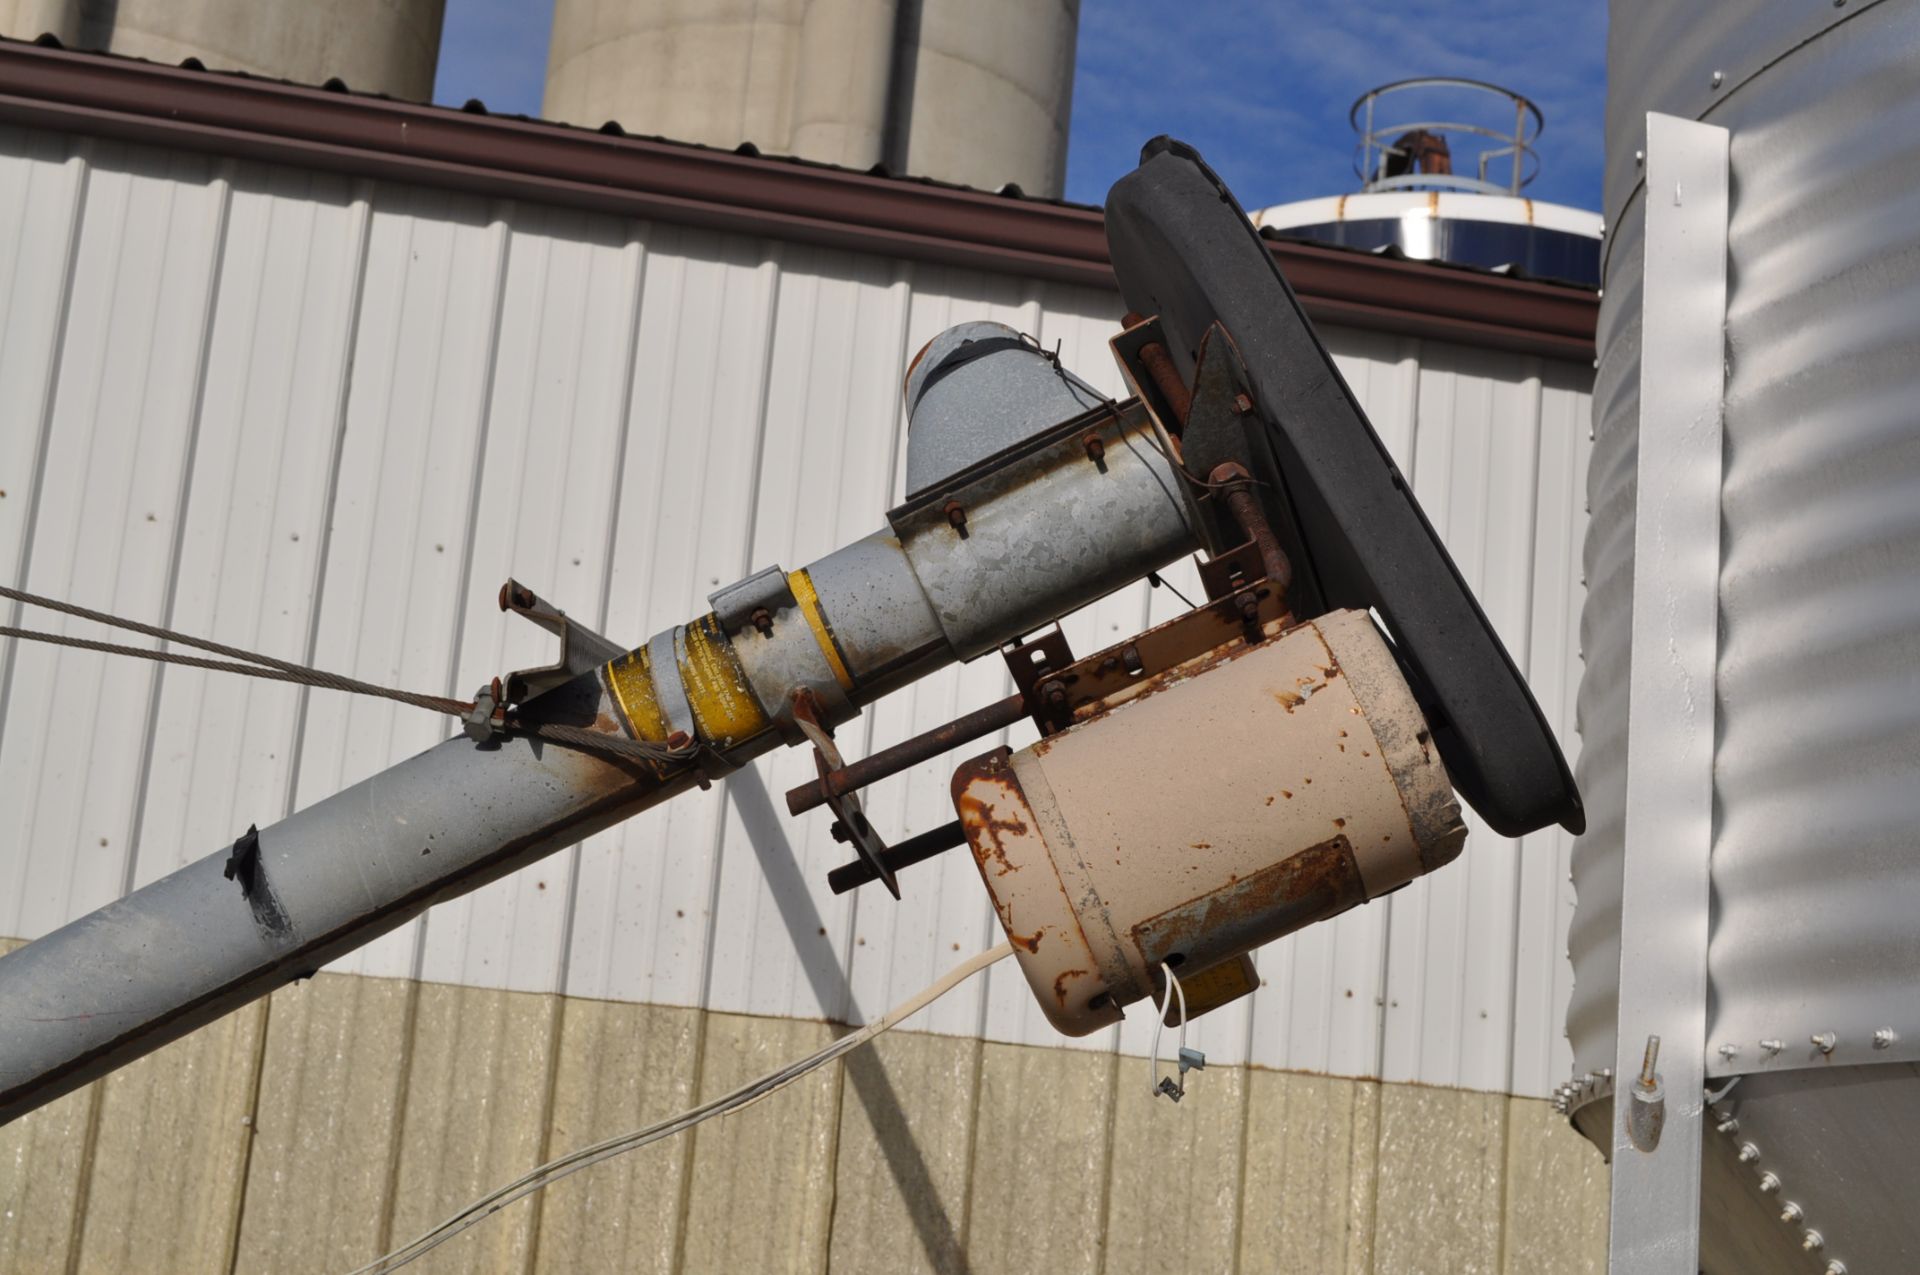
(1818, 715)
(325, 420)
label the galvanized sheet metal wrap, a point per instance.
(1818, 684)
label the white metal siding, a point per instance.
(327, 419)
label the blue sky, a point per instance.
(1262, 87)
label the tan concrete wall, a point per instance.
(375, 46)
(347, 1114)
(991, 90)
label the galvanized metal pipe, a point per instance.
(177, 954)
(181, 952)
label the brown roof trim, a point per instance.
(782, 199)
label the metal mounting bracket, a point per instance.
(1666, 881)
(850, 821)
(581, 649)
(755, 602)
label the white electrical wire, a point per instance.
(1159, 1022)
(551, 1172)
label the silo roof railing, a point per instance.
(1414, 154)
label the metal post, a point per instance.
(1660, 1047)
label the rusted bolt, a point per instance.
(957, 517)
(1053, 693)
(762, 619)
(679, 739)
(1110, 665)
(1249, 605)
(839, 832)
(522, 596)
(1242, 405)
(1130, 659)
(1096, 450)
(1824, 1041)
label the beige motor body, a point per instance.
(1195, 814)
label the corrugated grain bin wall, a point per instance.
(1817, 687)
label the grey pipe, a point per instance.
(179, 953)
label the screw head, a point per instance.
(1639, 158)
(1791, 1212)
(1718, 78)
(1773, 1045)
(1836, 1268)
(1729, 1126)
(1813, 1241)
(1883, 1037)
(1769, 1183)
(1729, 1051)
(1748, 1153)
(1824, 1041)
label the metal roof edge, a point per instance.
(273, 121)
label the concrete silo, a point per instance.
(374, 46)
(974, 93)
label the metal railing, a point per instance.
(1414, 154)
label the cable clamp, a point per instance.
(1174, 1087)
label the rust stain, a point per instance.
(1288, 700)
(1060, 985)
(1287, 794)
(1339, 823)
(1314, 884)
(1269, 801)
(979, 817)
(1202, 845)
(1029, 941)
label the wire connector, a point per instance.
(1174, 1087)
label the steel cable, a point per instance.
(254, 664)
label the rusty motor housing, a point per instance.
(1196, 813)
